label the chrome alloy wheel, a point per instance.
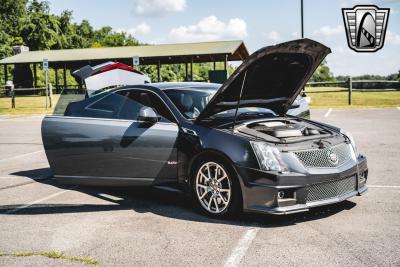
(213, 187)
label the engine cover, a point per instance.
(279, 129)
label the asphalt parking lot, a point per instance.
(153, 227)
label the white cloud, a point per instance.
(274, 36)
(392, 38)
(158, 7)
(295, 35)
(140, 29)
(210, 29)
(328, 31)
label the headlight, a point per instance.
(352, 142)
(269, 157)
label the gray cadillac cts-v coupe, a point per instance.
(232, 147)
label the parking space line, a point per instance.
(384, 186)
(113, 198)
(22, 155)
(40, 200)
(241, 248)
(23, 183)
(328, 112)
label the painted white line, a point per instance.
(22, 155)
(384, 186)
(114, 198)
(328, 113)
(241, 248)
(39, 200)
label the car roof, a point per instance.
(183, 85)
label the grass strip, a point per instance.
(53, 255)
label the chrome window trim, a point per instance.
(120, 90)
(105, 119)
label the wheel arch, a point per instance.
(221, 156)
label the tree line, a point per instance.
(30, 23)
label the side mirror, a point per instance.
(147, 114)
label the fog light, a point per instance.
(286, 197)
(362, 179)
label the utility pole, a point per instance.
(302, 20)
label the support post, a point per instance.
(159, 71)
(214, 65)
(191, 69)
(12, 92)
(65, 76)
(186, 72)
(34, 75)
(46, 86)
(50, 94)
(5, 73)
(350, 89)
(226, 62)
(56, 76)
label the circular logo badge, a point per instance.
(333, 158)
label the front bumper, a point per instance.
(262, 191)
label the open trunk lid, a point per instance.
(109, 74)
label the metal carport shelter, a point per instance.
(184, 53)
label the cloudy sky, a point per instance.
(257, 22)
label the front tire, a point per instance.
(216, 188)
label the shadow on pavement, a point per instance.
(163, 203)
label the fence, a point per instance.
(355, 86)
(348, 86)
(37, 91)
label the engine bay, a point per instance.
(283, 130)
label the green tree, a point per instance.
(12, 13)
(322, 74)
(40, 29)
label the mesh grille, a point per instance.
(325, 157)
(331, 189)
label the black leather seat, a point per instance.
(187, 103)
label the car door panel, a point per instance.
(95, 147)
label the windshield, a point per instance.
(189, 100)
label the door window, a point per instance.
(144, 99)
(109, 107)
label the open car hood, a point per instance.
(271, 77)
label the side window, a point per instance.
(148, 99)
(126, 105)
(112, 106)
(160, 107)
(106, 107)
(130, 107)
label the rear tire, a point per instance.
(216, 188)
